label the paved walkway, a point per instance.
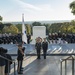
(49, 66)
(41, 67)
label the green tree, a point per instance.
(19, 26)
(1, 18)
(36, 24)
(47, 28)
(70, 29)
(72, 23)
(72, 7)
(55, 27)
(10, 29)
(65, 27)
(73, 30)
(28, 29)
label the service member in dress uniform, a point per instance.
(44, 47)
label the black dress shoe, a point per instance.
(38, 58)
(22, 68)
(44, 58)
(20, 72)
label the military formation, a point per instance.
(56, 38)
(12, 38)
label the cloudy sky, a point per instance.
(35, 10)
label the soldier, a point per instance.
(38, 47)
(44, 47)
(23, 49)
(8, 63)
(20, 58)
(2, 62)
(28, 38)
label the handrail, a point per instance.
(8, 63)
(6, 58)
(68, 58)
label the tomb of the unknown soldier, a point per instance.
(38, 31)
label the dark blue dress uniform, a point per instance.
(8, 63)
(38, 48)
(23, 49)
(44, 47)
(28, 38)
(2, 62)
(20, 59)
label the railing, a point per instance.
(72, 58)
(8, 64)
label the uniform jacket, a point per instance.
(20, 55)
(38, 46)
(45, 45)
(2, 61)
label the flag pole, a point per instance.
(24, 36)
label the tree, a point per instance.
(47, 28)
(72, 22)
(1, 18)
(19, 26)
(28, 29)
(65, 26)
(72, 7)
(36, 24)
(3, 25)
(10, 29)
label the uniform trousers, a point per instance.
(2, 70)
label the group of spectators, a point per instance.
(64, 38)
(5, 62)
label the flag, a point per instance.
(24, 37)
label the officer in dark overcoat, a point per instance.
(38, 47)
(28, 38)
(44, 47)
(2, 61)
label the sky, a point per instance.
(35, 10)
